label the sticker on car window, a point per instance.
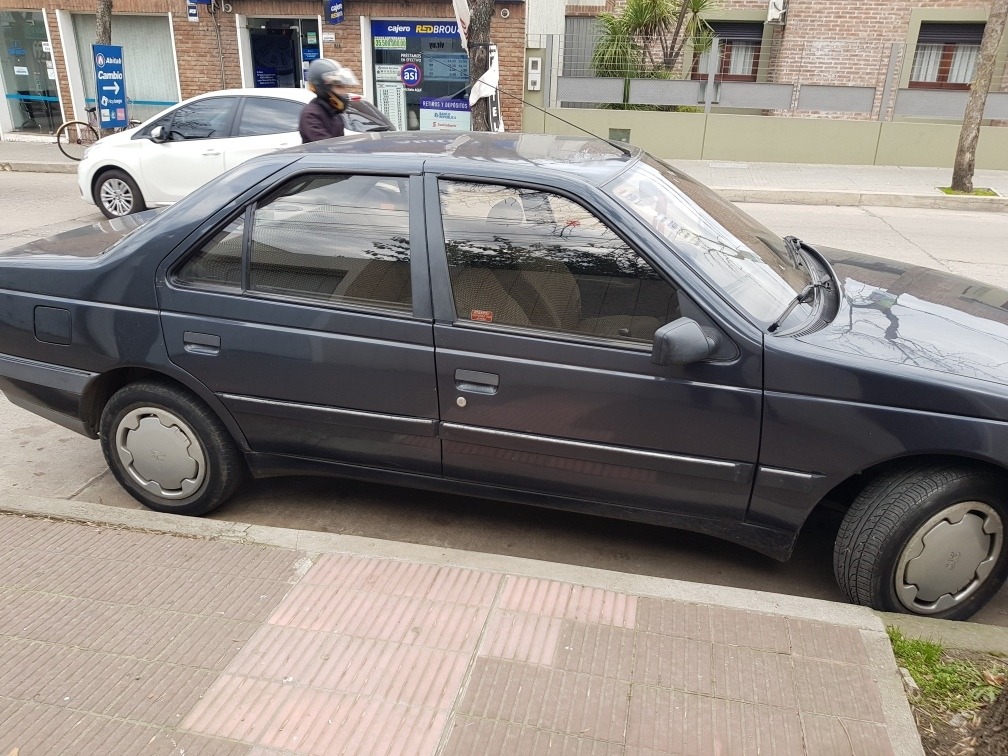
(485, 316)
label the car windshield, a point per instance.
(732, 251)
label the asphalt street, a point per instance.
(46, 460)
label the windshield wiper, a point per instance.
(805, 296)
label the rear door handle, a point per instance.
(476, 382)
(211, 153)
(201, 343)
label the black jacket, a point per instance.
(320, 120)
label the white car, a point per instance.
(162, 160)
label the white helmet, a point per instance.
(325, 73)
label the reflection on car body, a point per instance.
(544, 319)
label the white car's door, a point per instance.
(264, 124)
(196, 138)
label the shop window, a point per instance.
(28, 73)
(739, 48)
(946, 55)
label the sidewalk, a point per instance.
(133, 632)
(780, 183)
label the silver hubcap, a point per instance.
(116, 196)
(161, 453)
(949, 557)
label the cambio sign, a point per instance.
(110, 86)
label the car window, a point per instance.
(335, 239)
(203, 119)
(530, 258)
(218, 262)
(269, 115)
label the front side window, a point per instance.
(269, 115)
(946, 56)
(533, 259)
(203, 119)
(336, 240)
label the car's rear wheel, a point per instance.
(168, 449)
(925, 539)
(117, 194)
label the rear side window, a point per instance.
(269, 115)
(339, 240)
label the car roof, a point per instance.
(589, 157)
(286, 93)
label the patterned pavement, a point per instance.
(120, 641)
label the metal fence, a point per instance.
(806, 78)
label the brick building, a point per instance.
(929, 43)
(173, 50)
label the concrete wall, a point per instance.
(718, 136)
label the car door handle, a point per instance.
(476, 382)
(211, 153)
(201, 343)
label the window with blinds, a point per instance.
(946, 55)
(151, 75)
(739, 49)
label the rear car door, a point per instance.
(300, 315)
(264, 124)
(544, 320)
(197, 135)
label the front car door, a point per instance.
(300, 315)
(197, 135)
(544, 320)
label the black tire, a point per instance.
(911, 537)
(183, 444)
(74, 137)
(116, 194)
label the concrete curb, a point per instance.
(841, 198)
(33, 167)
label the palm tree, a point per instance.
(647, 39)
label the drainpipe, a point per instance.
(220, 49)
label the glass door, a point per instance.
(28, 73)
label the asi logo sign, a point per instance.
(411, 75)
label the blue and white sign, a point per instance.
(110, 85)
(334, 12)
(445, 114)
(192, 11)
(414, 29)
(411, 75)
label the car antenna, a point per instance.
(618, 145)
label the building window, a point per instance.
(739, 48)
(946, 56)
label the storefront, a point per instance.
(28, 74)
(420, 74)
(280, 50)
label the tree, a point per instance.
(479, 57)
(103, 23)
(647, 39)
(965, 160)
(992, 735)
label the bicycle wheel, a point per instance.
(74, 137)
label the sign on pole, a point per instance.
(110, 86)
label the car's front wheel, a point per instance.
(168, 449)
(925, 539)
(117, 194)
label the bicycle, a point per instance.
(74, 137)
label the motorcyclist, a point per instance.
(322, 118)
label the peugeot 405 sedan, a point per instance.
(162, 160)
(552, 320)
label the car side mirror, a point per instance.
(682, 342)
(157, 134)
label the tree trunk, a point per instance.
(103, 25)
(479, 57)
(965, 160)
(992, 735)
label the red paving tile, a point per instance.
(123, 642)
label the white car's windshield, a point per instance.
(739, 256)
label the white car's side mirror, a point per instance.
(157, 134)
